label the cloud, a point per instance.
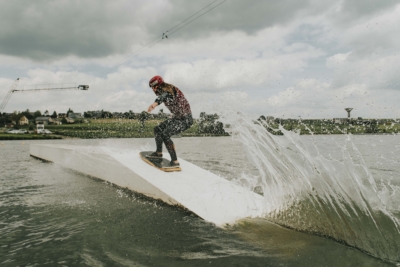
(47, 30)
(356, 9)
(311, 98)
(357, 26)
(375, 71)
(308, 58)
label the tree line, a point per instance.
(207, 123)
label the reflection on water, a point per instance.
(300, 249)
(53, 216)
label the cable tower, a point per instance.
(37, 88)
(8, 95)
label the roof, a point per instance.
(42, 118)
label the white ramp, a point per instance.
(211, 197)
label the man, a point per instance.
(181, 119)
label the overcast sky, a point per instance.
(303, 58)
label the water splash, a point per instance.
(318, 190)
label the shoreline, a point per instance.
(19, 137)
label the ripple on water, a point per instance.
(35, 232)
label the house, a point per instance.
(61, 115)
(42, 120)
(97, 114)
(10, 125)
(69, 120)
(54, 121)
(75, 115)
(47, 120)
(23, 121)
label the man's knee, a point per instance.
(157, 130)
(161, 133)
(165, 136)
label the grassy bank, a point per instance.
(332, 128)
(131, 128)
(5, 136)
(115, 128)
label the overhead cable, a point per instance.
(192, 15)
(195, 18)
(164, 35)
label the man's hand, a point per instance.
(152, 106)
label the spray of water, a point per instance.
(311, 191)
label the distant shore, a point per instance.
(104, 128)
(327, 127)
(6, 136)
(132, 128)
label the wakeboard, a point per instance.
(159, 163)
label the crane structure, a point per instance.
(8, 95)
(14, 85)
(79, 87)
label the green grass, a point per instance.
(331, 128)
(115, 128)
(126, 128)
(105, 128)
(5, 136)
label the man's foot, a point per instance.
(174, 164)
(155, 155)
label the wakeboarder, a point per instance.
(180, 121)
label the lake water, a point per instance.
(52, 216)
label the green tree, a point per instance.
(69, 111)
(54, 115)
(208, 124)
(372, 127)
(106, 114)
(87, 114)
(143, 117)
(262, 117)
(36, 114)
(27, 114)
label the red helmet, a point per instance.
(156, 80)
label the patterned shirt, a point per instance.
(173, 99)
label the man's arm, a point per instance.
(152, 106)
(162, 98)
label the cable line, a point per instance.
(164, 35)
(192, 16)
(197, 17)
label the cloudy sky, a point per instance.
(304, 58)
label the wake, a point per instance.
(319, 190)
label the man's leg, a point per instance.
(171, 149)
(159, 139)
(173, 126)
(169, 128)
(158, 135)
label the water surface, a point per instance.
(56, 217)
